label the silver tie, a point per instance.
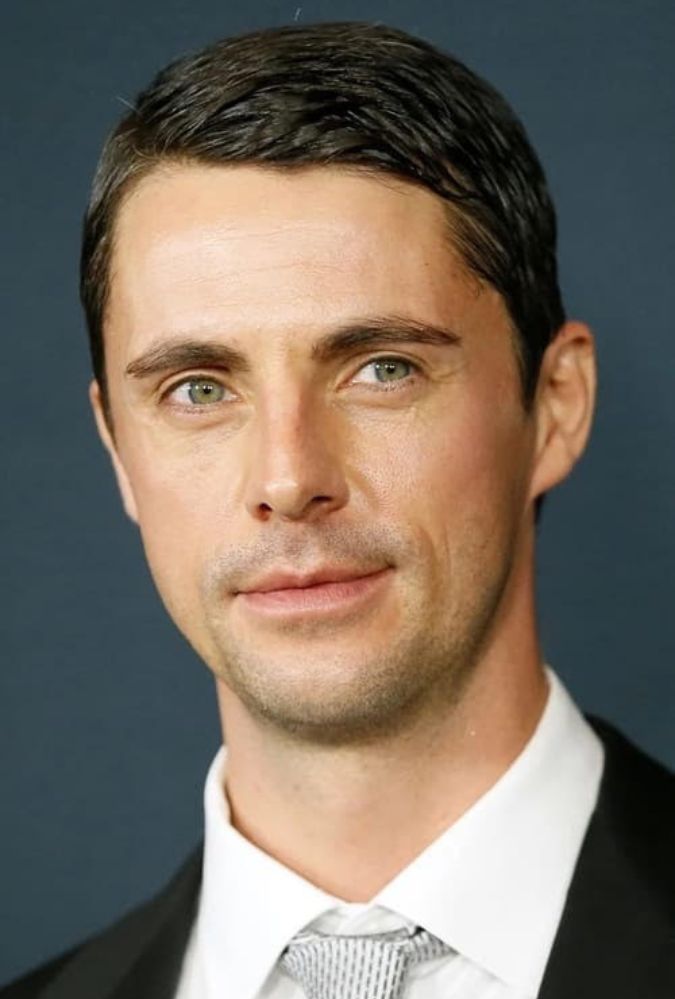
(371, 966)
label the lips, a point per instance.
(327, 592)
(296, 581)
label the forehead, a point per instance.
(249, 248)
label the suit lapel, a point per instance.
(140, 956)
(616, 934)
(605, 931)
(156, 972)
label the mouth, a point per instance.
(324, 592)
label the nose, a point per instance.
(295, 465)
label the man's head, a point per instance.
(322, 263)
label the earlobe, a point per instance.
(105, 433)
(564, 405)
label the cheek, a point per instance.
(182, 514)
(456, 479)
(460, 458)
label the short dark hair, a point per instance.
(357, 94)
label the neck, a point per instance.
(349, 818)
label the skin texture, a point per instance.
(381, 719)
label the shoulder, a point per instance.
(615, 934)
(622, 751)
(637, 804)
(34, 982)
(632, 779)
(157, 927)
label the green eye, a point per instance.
(198, 392)
(386, 369)
(391, 370)
(205, 391)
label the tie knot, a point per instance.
(369, 966)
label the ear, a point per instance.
(564, 405)
(105, 433)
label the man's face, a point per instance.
(305, 379)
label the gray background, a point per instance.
(108, 721)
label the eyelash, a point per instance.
(394, 386)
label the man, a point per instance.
(335, 379)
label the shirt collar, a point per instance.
(492, 886)
(250, 906)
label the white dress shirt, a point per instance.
(492, 886)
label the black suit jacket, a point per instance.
(616, 939)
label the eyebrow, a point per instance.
(188, 352)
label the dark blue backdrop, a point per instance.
(108, 720)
